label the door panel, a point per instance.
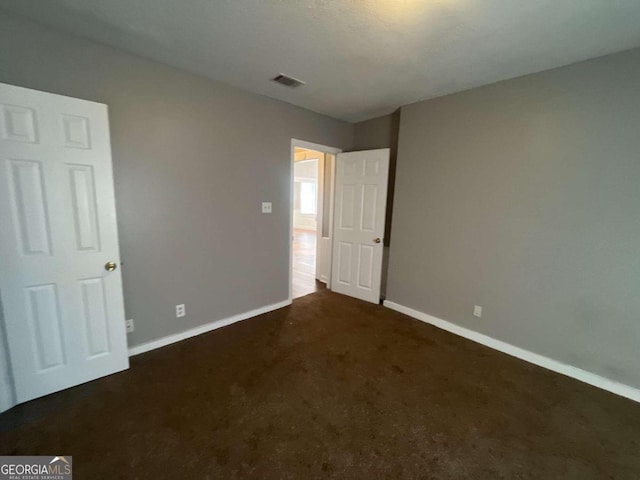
(95, 316)
(361, 186)
(18, 124)
(44, 316)
(347, 206)
(369, 208)
(83, 196)
(63, 312)
(344, 262)
(29, 210)
(365, 263)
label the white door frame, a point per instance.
(309, 146)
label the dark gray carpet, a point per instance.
(332, 388)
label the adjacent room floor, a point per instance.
(332, 387)
(304, 263)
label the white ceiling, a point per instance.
(360, 58)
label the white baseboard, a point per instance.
(612, 386)
(145, 347)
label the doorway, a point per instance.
(347, 253)
(312, 168)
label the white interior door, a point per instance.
(360, 207)
(63, 311)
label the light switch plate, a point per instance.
(267, 207)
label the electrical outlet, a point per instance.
(130, 326)
(477, 311)
(180, 310)
(267, 207)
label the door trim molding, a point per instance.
(593, 379)
(193, 332)
(310, 146)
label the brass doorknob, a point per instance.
(377, 240)
(110, 266)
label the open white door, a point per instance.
(360, 207)
(62, 299)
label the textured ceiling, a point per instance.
(360, 58)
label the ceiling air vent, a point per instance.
(287, 81)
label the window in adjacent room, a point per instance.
(308, 198)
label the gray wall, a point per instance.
(192, 159)
(524, 197)
(381, 132)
